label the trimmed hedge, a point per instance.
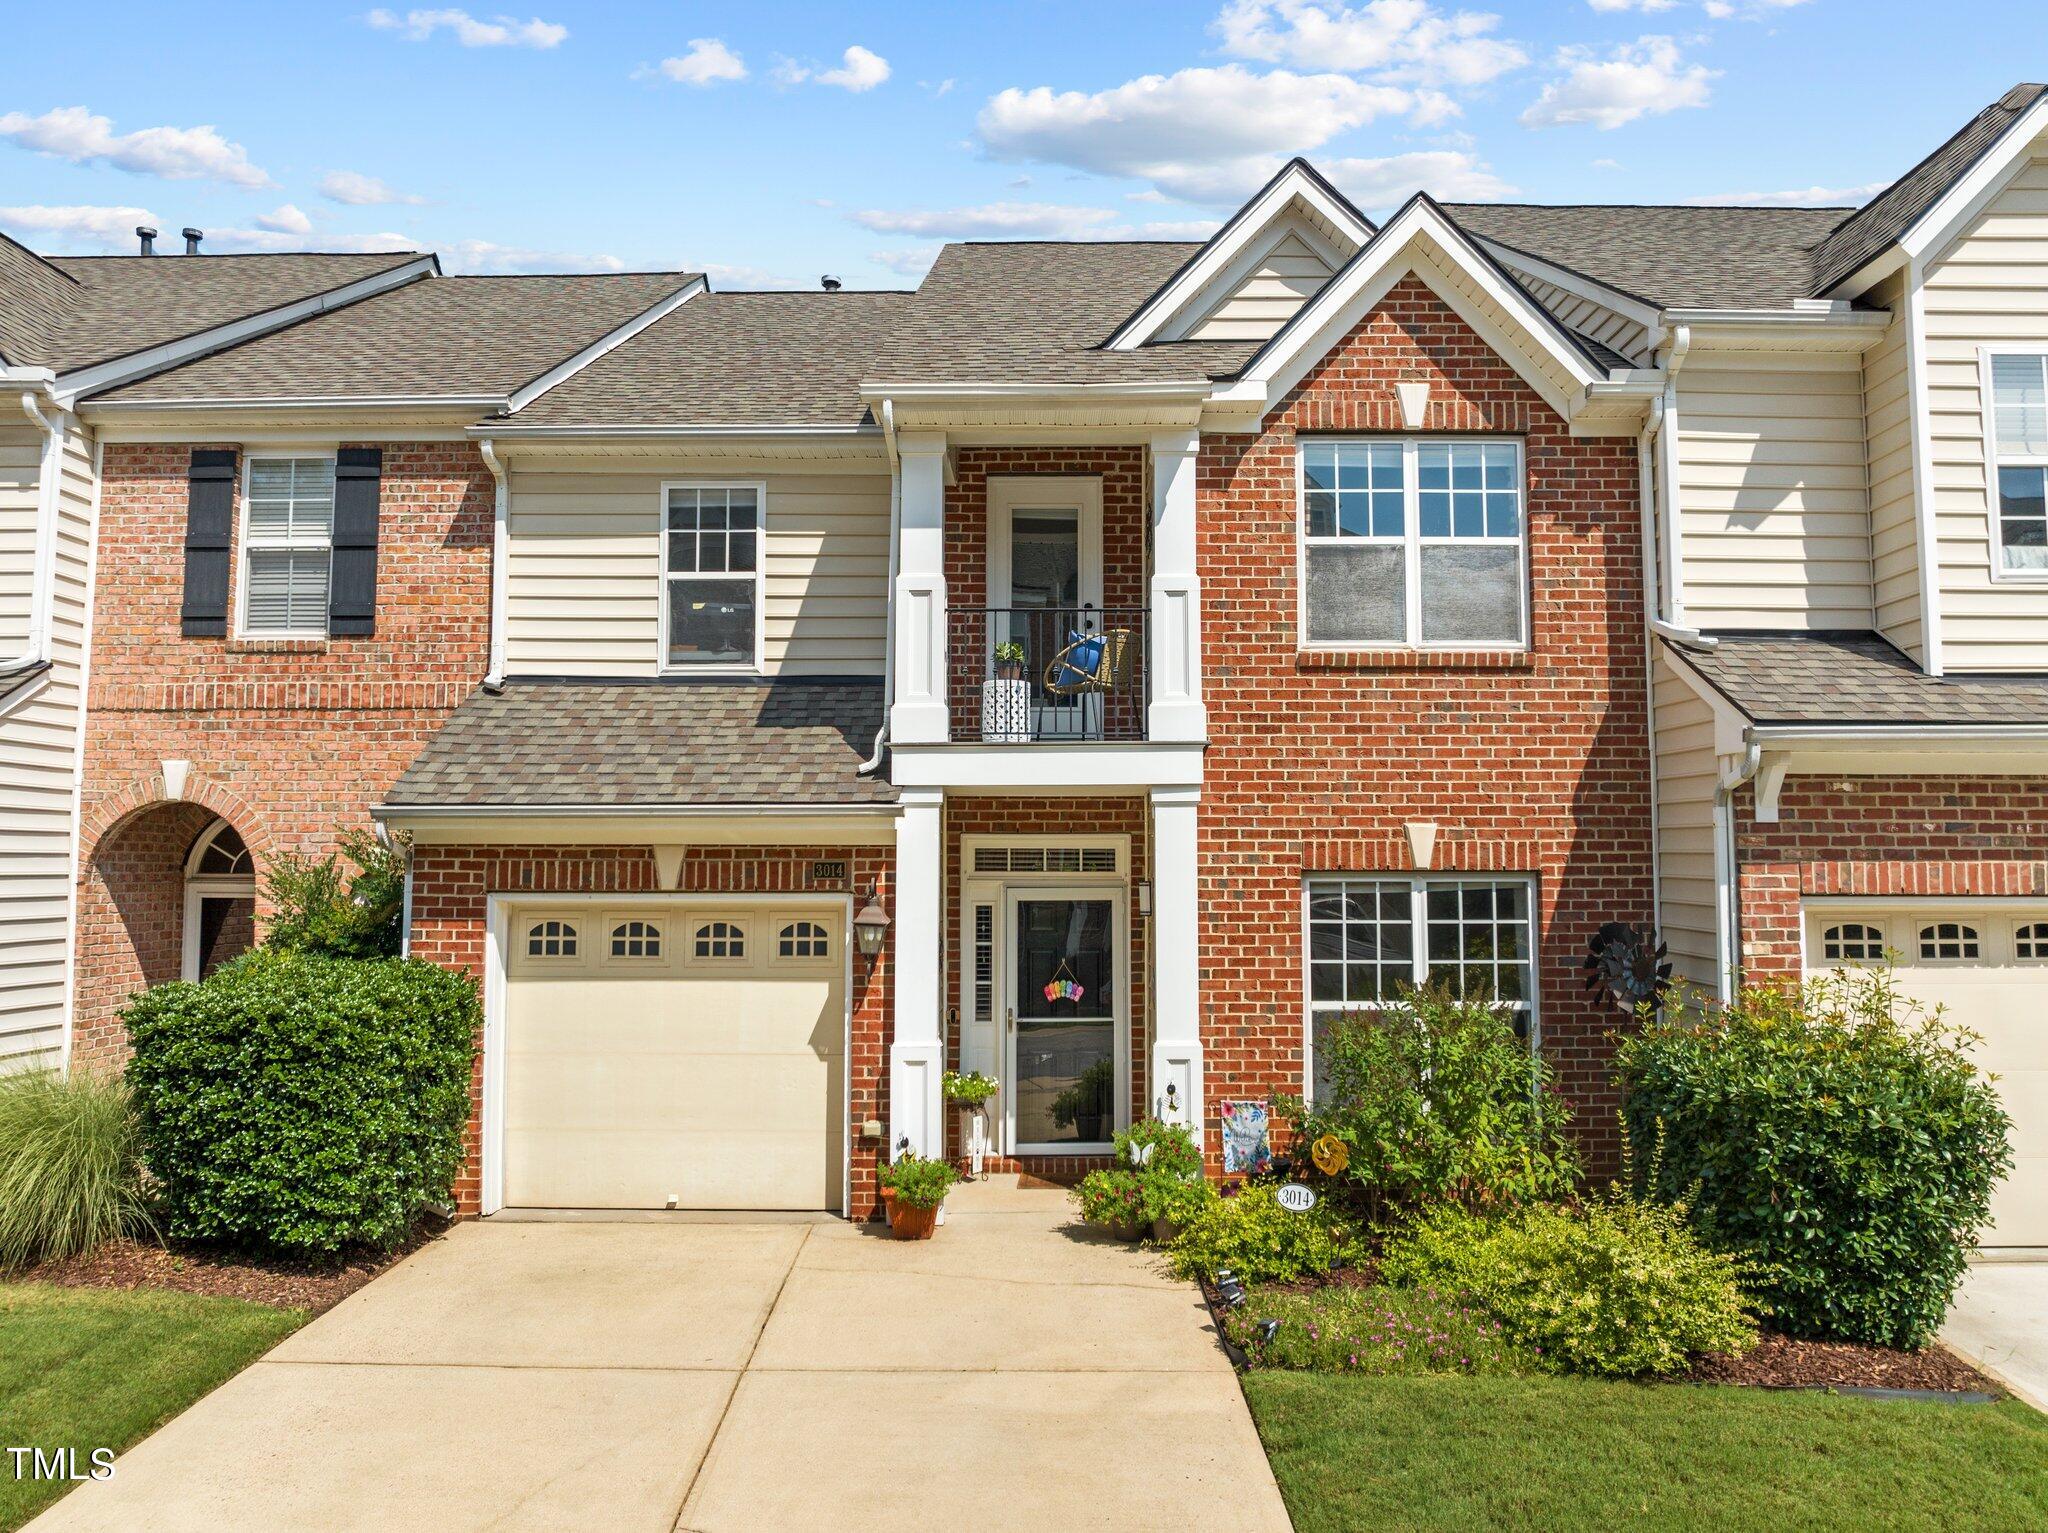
(1837, 1139)
(298, 1104)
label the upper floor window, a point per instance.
(2019, 440)
(1416, 542)
(287, 546)
(711, 607)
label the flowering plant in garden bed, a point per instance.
(1373, 1330)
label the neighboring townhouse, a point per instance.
(1105, 666)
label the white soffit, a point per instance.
(1298, 201)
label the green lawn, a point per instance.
(91, 1368)
(1470, 1453)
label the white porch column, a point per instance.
(1176, 1077)
(919, 714)
(917, 1056)
(1176, 711)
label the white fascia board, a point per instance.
(1048, 767)
(1928, 736)
(1961, 203)
(655, 429)
(1578, 284)
(1839, 330)
(1245, 226)
(1205, 300)
(611, 340)
(156, 359)
(1731, 724)
(1165, 388)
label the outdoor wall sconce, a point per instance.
(870, 927)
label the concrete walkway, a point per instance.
(1012, 1373)
(2000, 1323)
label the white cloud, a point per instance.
(287, 219)
(1171, 229)
(1448, 174)
(707, 62)
(1645, 78)
(1201, 135)
(485, 258)
(101, 227)
(914, 261)
(267, 240)
(1809, 197)
(860, 69)
(503, 32)
(360, 191)
(1406, 40)
(992, 220)
(176, 154)
(1604, 163)
(1747, 10)
(1645, 6)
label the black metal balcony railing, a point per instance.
(1025, 674)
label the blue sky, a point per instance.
(771, 143)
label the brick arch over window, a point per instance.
(145, 793)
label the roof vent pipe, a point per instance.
(829, 284)
(147, 235)
(192, 239)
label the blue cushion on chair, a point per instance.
(1083, 660)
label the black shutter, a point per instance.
(352, 595)
(209, 514)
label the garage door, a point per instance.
(1988, 970)
(667, 1055)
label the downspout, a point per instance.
(501, 541)
(1727, 872)
(49, 489)
(1673, 591)
(889, 626)
(1646, 499)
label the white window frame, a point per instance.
(1996, 457)
(665, 576)
(1419, 885)
(243, 545)
(1412, 540)
(200, 887)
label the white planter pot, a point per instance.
(1006, 711)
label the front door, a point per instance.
(1066, 1010)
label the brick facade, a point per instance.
(1534, 763)
(292, 741)
(449, 915)
(1931, 837)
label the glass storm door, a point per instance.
(1065, 1005)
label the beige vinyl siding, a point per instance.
(1888, 440)
(1775, 521)
(21, 451)
(1603, 324)
(1266, 299)
(38, 764)
(583, 584)
(1685, 825)
(1989, 287)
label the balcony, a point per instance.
(1031, 675)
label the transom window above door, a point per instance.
(1414, 542)
(711, 596)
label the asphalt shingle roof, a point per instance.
(127, 304)
(734, 359)
(34, 298)
(1855, 678)
(542, 743)
(1899, 206)
(443, 335)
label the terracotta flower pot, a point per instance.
(889, 1204)
(909, 1223)
(1134, 1231)
(1165, 1230)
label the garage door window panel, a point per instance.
(552, 939)
(803, 940)
(720, 940)
(636, 939)
(1950, 942)
(1852, 942)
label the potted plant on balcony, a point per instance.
(1006, 697)
(1009, 661)
(919, 1187)
(970, 1091)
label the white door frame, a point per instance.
(1011, 493)
(497, 945)
(1119, 1022)
(200, 887)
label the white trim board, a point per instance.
(568, 367)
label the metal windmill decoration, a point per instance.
(1627, 966)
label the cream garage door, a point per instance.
(1988, 970)
(669, 1055)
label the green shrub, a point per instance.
(919, 1183)
(299, 1104)
(1437, 1100)
(1165, 1149)
(1342, 1329)
(1253, 1236)
(1179, 1200)
(1613, 1287)
(70, 1166)
(1837, 1138)
(318, 909)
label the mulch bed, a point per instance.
(1779, 1362)
(311, 1286)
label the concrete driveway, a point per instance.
(2000, 1323)
(670, 1375)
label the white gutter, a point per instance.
(501, 548)
(509, 428)
(888, 416)
(49, 488)
(1941, 735)
(302, 402)
(1727, 892)
(1827, 316)
(1163, 389)
(1647, 509)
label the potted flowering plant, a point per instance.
(919, 1187)
(969, 1091)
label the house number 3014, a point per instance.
(1295, 1198)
